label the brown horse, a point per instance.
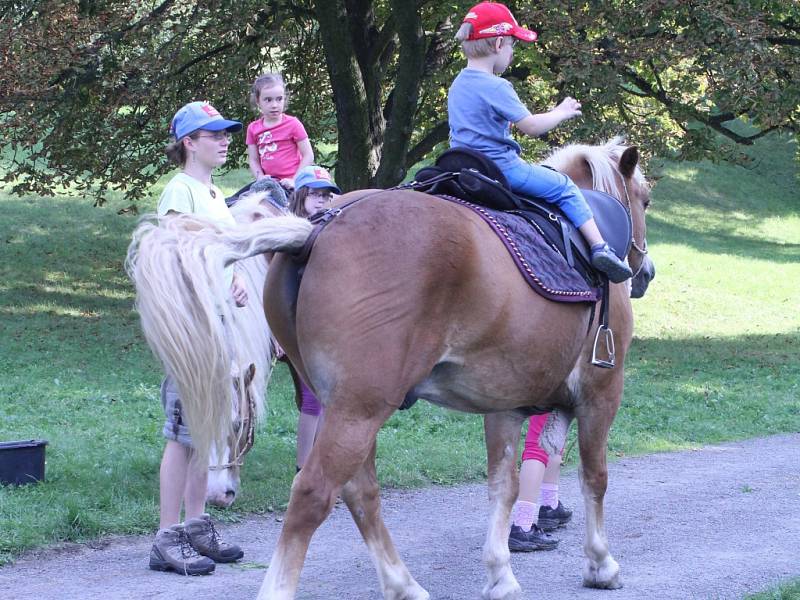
(404, 292)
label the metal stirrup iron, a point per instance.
(608, 339)
(604, 335)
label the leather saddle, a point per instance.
(470, 175)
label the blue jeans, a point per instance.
(551, 186)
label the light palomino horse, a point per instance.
(174, 324)
(404, 293)
(225, 471)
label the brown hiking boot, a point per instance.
(172, 552)
(204, 538)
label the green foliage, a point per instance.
(714, 357)
(87, 89)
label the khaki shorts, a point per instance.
(175, 427)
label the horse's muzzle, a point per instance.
(643, 278)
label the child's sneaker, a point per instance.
(204, 538)
(604, 260)
(551, 518)
(520, 540)
(172, 552)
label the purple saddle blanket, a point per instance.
(541, 265)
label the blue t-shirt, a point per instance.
(481, 108)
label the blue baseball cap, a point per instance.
(313, 176)
(199, 115)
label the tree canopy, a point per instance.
(87, 87)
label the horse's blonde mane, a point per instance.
(252, 327)
(188, 316)
(603, 162)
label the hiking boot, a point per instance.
(551, 518)
(529, 541)
(605, 261)
(172, 552)
(204, 538)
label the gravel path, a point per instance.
(716, 523)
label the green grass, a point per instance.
(714, 357)
(787, 591)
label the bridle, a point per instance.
(249, 436)
(642, 250)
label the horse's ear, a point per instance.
(628, 162)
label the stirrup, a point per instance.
(610, 351)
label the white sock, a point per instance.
(548, 495)
(525, 514)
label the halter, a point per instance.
(249, 438)
(634, 245)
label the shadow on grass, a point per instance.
(688, 391)
(721, 242)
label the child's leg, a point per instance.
(549, 490)
(307, 425)
(556, 188)
(553, 187)
(534, 463)
(525, 535)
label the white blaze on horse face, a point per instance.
(223, 484)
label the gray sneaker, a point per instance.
(204, 538)
(604, 260)
(172, 552)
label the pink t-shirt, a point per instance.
(277, 145)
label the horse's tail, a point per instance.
(187, 313)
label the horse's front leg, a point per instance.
(362, 496)
(502, 432)
(594, 422)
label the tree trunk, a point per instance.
(358, 153)
(402, 104)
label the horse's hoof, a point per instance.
(413, 592)
(503, 590)
(604, 576)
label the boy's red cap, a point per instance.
(492, 19)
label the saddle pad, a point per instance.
(545, 270)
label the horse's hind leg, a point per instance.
(346, 441)
(502, 438)
(362, 495)
(594, 422)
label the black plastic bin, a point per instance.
(22, 462)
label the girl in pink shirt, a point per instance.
(277, 143)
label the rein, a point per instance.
(641, 250)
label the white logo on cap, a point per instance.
(499, 29)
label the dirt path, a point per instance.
(717, 523)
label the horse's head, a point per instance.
(614, 169)
(223, 475)
(636, 192)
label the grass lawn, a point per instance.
(787, 591)
(715, 354)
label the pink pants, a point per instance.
(532, 449)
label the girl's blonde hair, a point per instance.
(474, 48)
(267, 80)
